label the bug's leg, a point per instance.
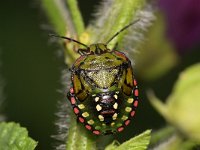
(68, 96)
(83, 51)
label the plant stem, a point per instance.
(54, 14)
(119, 14)
(76, 16)
(79, 138)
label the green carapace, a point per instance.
(104, 92)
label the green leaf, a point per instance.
(14, 137)
(139, 142)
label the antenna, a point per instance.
(63, 37)
(124, 28)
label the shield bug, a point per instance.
(104, 91)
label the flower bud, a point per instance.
(182, 108)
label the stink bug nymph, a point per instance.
(104, 92)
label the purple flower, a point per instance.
(183, 22)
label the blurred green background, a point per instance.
(31, 69)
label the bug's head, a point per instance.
(96, 49)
